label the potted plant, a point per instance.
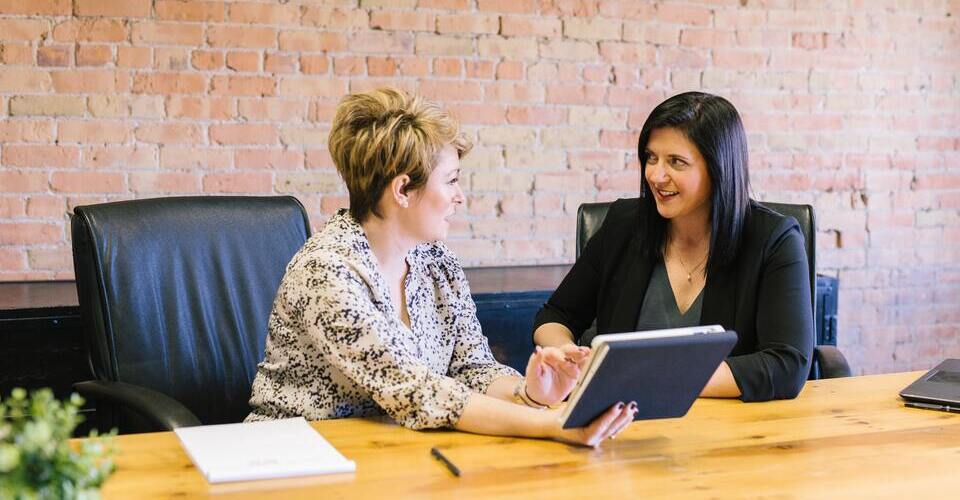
(36, 458)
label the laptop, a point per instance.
(662, 370)
(938, 389)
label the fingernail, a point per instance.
(619, 406)
(633, 405)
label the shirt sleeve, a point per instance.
(472, 362)
(338, 315)
(779, 367)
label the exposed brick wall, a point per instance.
(852, 105)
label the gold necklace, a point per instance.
(691, 271)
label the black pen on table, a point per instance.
(446, 461)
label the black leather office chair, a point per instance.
(828, 361)
(175, 294)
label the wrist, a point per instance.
(522, 396)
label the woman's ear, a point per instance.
(398, 190)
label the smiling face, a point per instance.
(431, 206)
(676, 174)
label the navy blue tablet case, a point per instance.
(663, 375)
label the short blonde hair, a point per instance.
(383, 133)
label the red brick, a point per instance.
(510, 6)
(243, 134)
(94, 131)
(94, 55)
(191, 10)
(99, 29)
(530, 26)
(252, 13)
(11, 259)
(87, 182)
(569, 50)
(314, 65)
(446, 90)
(443, 4)
(565, 181)
(319, 159)
(171, 58)
(522, 115)
(335, 18)
(478, 114)
(243, 182)
(683, 58)
(273, 159)
(50, 258)
(628, 53)
(26, 131)
(125, 157)
(482, 70)
(510, 48)
(40, 156)
(48, 105)
(311, 41)
(445, 45)
(396, 20)
(322, 111)
(16, 54)
(740, 59)
(52, 55)
(243, 85)
(348, 65)
(443, 66)
(313, 87)
(169, 133)
(27, 30)
(46, 206)
(414, 66)
(242, 37)
(37, 7)
(381, 66)
(684, 14)
(29, 233)
(532, 250)
(22, 182)
(169, 83)
(510, 70)
(592, 28)
(576, 94)
(203, 108)
(195, 158)
(243, 61)
(164, 182)
(273, 109)
(133, 57)
(392, 42)
(280, 63)
(91, 81)
(112, 8)
(207, 59)
(468, 23)
(529, 93)
(167, 33)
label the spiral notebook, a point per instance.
(261, 450)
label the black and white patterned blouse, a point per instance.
(337, 347)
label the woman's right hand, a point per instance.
(606, 426)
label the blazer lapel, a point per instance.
(637, 277)
(719, 299)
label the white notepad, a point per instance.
(261, 450)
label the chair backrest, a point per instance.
(175, 293)
(590, 217)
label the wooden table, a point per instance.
(841, 438)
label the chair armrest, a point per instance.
(161, 411)
(832, 362)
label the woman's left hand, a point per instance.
(552, 372)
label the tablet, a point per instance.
(662, 370)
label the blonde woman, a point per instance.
(374, 314)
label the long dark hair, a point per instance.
(713, 125)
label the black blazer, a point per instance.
(764, 295)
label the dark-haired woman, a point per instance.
(694, 249)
